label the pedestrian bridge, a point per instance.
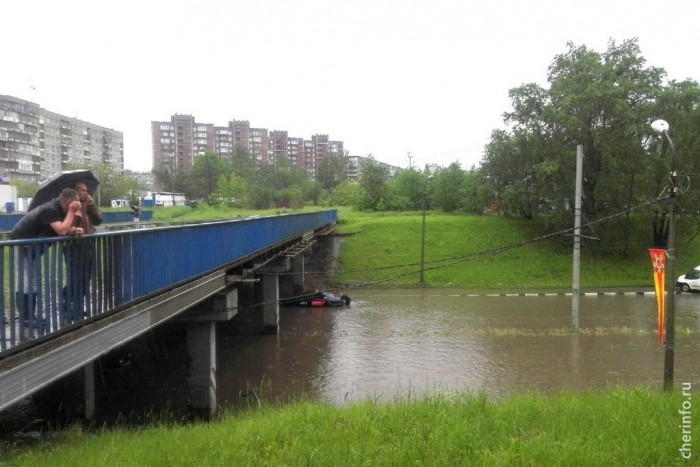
(67, 301)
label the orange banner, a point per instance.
(658, 262)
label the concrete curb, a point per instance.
(559, 294)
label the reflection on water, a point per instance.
(406, 342)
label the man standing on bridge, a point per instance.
(54, 218)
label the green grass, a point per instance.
(484, 252)
(614, 427)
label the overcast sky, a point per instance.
(385, 77)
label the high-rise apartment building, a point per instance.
(176, 143)
(35, 143)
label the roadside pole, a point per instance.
(577, 240)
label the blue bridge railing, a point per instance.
(52, 284)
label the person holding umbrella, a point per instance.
(80, 256)
(53, 218)
(89, 215)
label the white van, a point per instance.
(689, 281)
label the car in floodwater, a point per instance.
(316, 299)
(689, 281)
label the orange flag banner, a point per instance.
(658, 262)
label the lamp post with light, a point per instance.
(422, 242)
(661, 127)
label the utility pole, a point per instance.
(410, 161)
(661, 127)
(422, 241)
(575, 292)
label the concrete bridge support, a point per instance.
(298, 275)
(89, 390)
(201, 382)
(201, 348)
(271, 307)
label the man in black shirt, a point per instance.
(51, 219)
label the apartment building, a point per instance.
(35, 143)
(355, 164)
(178, 142)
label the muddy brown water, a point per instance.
(401, 343)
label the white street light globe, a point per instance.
(659, 126)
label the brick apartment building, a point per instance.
(178, 142)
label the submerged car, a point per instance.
(689, 281)
(317, 299)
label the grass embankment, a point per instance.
(617, 427)
(470, 252)
(487, 252)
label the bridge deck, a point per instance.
(122, 277)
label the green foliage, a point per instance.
(448, 192)
(230, 191)
(24, 189)
(407, 189)
(475, 192)
(348, 194)
(204, 176)
(373, 181)
(604, 102)
(332, 169)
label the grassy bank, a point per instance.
(617, 427)
(470, 252)
(486, 252)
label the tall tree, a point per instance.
(603, 101)
(408, 189)
(448, 187)
(373, 180)
(205, 174)
(332, 169)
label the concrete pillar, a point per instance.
(201, 382)
(89, 390)
(298, 275)
(271, 307)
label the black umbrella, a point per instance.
(52, 186)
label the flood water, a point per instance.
(395, 343)
(400, 343)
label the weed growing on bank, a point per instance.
(613, 427)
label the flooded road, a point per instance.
(389, 344)
(400, 343)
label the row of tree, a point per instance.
(606, 103)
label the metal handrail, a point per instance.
(51, 285)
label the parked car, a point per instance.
(689, 281)
(316, 299)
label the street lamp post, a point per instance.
(661, 127)
(422, 242)
(172, 178)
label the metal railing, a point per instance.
(51, 285)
